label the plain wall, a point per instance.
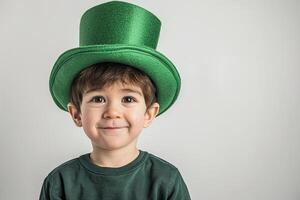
(234, 130)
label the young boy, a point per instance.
(113, 86)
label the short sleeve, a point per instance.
(178, 189)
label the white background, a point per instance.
(234, 130)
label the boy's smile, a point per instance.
(114, 116)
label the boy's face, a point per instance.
(113, 117)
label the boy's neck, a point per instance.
(115, 158)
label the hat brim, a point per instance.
(159, 68)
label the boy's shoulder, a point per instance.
(160, 168)
(65, 167)
(161, 163)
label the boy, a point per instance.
(113, 86)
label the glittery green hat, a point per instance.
(117, 32)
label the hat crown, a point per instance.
(119, 22)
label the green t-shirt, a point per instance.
(146, 178)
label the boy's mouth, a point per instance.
(112, 127)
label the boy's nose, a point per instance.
(112, 111)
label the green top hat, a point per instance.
(117, 32)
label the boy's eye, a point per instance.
(128, 99)
(97, 99)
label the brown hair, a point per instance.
(99, 75)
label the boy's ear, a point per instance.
(150, 114)
(76, 116)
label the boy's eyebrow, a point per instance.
(124, 89)
(131, 90)
(90, 90)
